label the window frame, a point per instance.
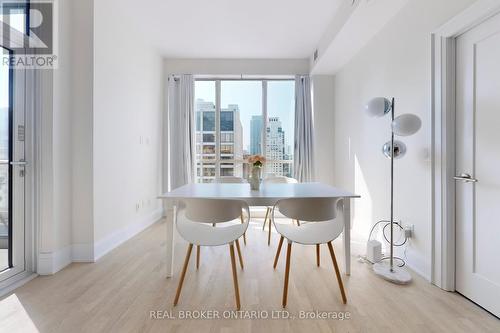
(218, 161)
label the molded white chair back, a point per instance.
(230, 180)
(196, 217)
(279, 180)
(309, 209)
(325, 211)
(213, 210)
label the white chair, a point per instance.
(194, 223)
(275, 180)
(233, 180)
(326, 225)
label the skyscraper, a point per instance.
(275, 147)
(231, 141)
(255, 135)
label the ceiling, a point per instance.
(365, 20)
(287, 29)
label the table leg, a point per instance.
(347, 235)
(169, 246)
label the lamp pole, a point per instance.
(392, 187)
(403, 125)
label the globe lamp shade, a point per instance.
(378, 107)
(406, 125)
(399, 149)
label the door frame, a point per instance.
(31, 100)
(443, 137)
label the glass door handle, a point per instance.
(466, 178)
(19, 163)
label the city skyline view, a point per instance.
(242, 126)
(248, 96)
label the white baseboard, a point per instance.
(82, 252)
(52, 262)
(417, 264)
(113, 240)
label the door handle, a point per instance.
(466, 178)
(19, 163)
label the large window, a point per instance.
(238, 118)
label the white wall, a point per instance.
(57, 174)
(61, 131)
(66, 213)
(127, 122)
(101, 130)
(397, 63)
(82, 43)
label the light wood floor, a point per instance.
(117, 294)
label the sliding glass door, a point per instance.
(12, 169)
(238, 118)
(5, 168)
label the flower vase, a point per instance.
(255, 179)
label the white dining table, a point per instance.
(268, 195)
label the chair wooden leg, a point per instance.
(235, 277)
(265, 219)
(239, 253)
(197, 256)
(278, 252)
(287, 273)
(298, 223)
(183, 274)
(337, 272)
(245, 234)
(317, 255)
(269, 234)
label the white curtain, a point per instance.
(181, 130)
(304, 136)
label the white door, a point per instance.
(478, 165)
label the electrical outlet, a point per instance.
(409, 230)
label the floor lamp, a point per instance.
(404, 125)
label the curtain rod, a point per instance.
(176, 77)
(243, 79)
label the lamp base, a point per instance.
(398, 275)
